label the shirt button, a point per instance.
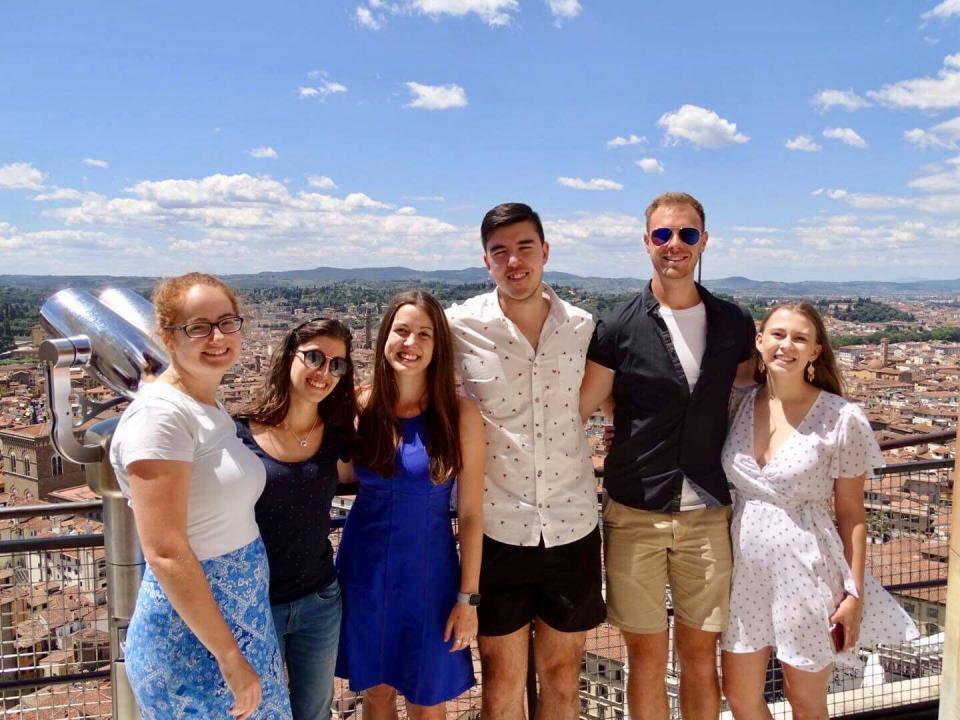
(539, 505)
(539, 473)
(539, 435)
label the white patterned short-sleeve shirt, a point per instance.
(539, 477)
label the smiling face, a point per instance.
(675, 259)
(315, 384)
(409, 346)
(208, 356)
(515, 256)
(787, 343)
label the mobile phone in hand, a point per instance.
(836, 634)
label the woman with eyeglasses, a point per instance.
(301, 425)
(201, 640)
(406, 628)
(795, 450)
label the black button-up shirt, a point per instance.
(663, 430)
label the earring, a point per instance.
(761, 368)
(811, 372)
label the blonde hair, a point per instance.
(677, 198)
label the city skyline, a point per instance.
(823, 140)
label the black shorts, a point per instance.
(560, 585)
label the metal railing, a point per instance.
(54, 645)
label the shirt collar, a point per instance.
(557, 313)
(650, 302)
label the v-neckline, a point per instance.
(794, 432)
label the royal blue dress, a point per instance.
(399, 576)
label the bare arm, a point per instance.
(463, 618)
(596, 390)
(159, 490)
(852, 524)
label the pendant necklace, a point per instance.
(303, 442)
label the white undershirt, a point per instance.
(688, 331)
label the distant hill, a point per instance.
(739, 286)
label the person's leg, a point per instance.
(744, 678)
(807, 692)
(380, 703)
(503, 660)
(699, 684)
(699, 566)
(312, 653)
(557, 656)
(647, 655)
(426, 712)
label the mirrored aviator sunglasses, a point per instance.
(688, 235)
(316, 360)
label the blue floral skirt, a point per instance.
(174, 676)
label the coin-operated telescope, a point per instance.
(110, 338)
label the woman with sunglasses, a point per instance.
(795, 449)
(405, 627)
(201, 640)
(301, 425)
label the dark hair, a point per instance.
(377, 435)
(337, 410)
(826, 375)
(677, 198)
(508, 214)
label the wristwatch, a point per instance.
(472, 599)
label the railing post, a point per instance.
(950, 677)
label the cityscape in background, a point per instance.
(900, 359)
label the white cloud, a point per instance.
(323, 89)
(940, 181)
(496, 13)
(263, 152)
(847, 99)
(58, 194)
(332, 88)
(564, 9)
(758, 229)
(946, 9)
(321, 182)
(95, 163)
(702, 127)
(848, 136)
(21, 176)
(925, 93)
(945, 135)
(366, 18)
(803, 143)
(651, 166)
(436, 97)
(631, 139)
(307, 92)
(592, 184)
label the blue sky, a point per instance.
(822, 137)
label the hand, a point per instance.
(608, 435)
(243, 682)
(461, 626)
(848, 614)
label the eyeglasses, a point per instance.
(316, 360)
(688, 235)
(203, 328)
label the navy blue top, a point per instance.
(294, 516)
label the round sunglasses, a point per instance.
(316, 360)
(687, 235)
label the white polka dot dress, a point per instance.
(789, 570)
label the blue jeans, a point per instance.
(308, 629)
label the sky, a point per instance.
(822, 137)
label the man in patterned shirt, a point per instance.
(521, 352)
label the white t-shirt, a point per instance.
(688, 331)
(227, 478)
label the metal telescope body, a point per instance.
(111, 338)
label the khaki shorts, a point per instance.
(645, 551)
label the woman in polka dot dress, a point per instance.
(794, 445)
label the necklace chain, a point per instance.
(303, 441)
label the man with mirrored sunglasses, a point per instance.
(667, 360)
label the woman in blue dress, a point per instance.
(405, 627)
(301, 426)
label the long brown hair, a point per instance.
(377, 429)
(272, 401)
(826, 374)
